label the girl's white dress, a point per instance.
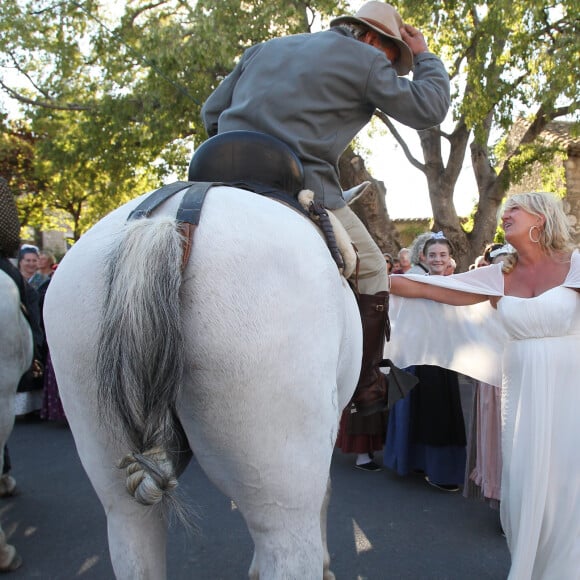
(531, 346)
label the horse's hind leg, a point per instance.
(136, 534)
(137, 537)
(7, 482)
(327, 573)
(279, 553)
(7, 485)
(9, 558)
(277, 474)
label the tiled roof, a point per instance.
(558, 133)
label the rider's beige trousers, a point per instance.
(372, 276)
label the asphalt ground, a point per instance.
(380, 525)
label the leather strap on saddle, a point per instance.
(153, 201)
(188, 214)
(320, 215)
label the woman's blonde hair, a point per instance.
(555, 235)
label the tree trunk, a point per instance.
(371, 207)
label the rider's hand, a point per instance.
(414, 39)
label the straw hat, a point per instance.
(385, 20)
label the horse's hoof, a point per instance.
(14, 564)
(7, 486)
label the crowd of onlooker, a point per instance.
(31, 269)
(38, 390)
(424, 434)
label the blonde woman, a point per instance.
(519, 326)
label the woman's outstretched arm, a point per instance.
(408, 288)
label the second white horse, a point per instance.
(15, 358)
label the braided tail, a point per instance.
(140, 353)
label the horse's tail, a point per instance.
(140, 352)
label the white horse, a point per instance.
(254, 349)
(16, 351)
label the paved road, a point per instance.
(380, 525)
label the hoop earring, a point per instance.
(530, 234)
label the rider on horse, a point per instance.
(315, 92)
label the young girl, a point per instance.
(426, 431)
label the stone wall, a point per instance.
(572, 199)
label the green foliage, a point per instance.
(112, 102)
(17, 156)
(506, 56)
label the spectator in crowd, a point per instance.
(418, 261)
(426, 430)
(484, 463)
(404, 258)
(389, 261)
(46, 264)
(28, 260)
(52, 409)
(450, 268)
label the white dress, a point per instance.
(535, 344)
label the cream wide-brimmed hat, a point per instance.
(383, 18)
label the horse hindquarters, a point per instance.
(264, 332)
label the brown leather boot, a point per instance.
(370, 395)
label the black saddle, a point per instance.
(248, 160)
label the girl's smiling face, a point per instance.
(438, 258)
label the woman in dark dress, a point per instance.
(426, 430)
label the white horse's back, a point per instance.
(271, 345)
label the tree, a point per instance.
(17, 153)
(114, 104)
(129, 90)
(508, 58)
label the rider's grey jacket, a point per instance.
(317, 91)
